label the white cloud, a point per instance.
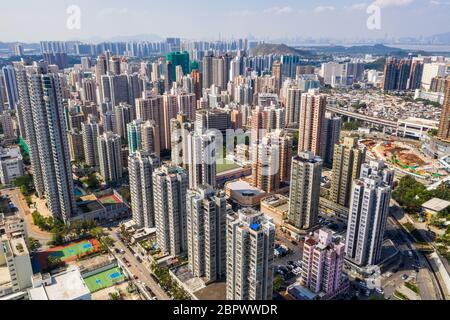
(392, 3)
(439, 3)
(323, 9)
(279, 10)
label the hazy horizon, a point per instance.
(32, 21)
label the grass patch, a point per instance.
(412, 286)
(225, 165)
(400, 295)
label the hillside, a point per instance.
(278, 49)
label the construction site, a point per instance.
(406, 157)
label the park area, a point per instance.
(105, 279)
(68, 253)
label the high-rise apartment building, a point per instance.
(76, 148)
(312, 118)
(124, 113)
(250, 247)
(322, 264)
(9, 78)
(143, 135)
(151, 108)
(347, 161)
(179, 131)
(169, 198)
(41, 103)
(207, 71)
(202, 156)
(110, 157)
(206, 233)
(179, 59)
(141, 166)
(90, 132)
(304, 194)
(273, 162)
(292, 107)
(276, 72)
(332, 134)
(368, 211)
(444, 124)
(415, 76)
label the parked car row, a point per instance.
(280, 250)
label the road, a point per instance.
(427, 279)
(23, 210)
(137, 268)
(406, 266)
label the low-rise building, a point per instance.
(415, 127)
(276, 207)
(434, 206)
(67, 285)
(11, 165)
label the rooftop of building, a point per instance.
(244, 188)
(4, 275)
(68, 285)
(436, 204)
(420, 122)
(299, 292)
(10, 153)
(18, 246)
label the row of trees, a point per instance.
(25, 185)
(168, 284)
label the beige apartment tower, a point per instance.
(347, 161)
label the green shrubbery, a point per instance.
(411, 194)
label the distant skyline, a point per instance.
(33, 21)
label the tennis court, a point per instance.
(104, 279)
(74, 250)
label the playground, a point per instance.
(105, 279)
(70, 252)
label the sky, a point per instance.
(32, 21)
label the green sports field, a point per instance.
(104, 279)
(72, 251)
(225, 165)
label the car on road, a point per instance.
(404, 277)
(379, 290)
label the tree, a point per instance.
(277, 282)
(57, 239)
(34, 244)
(97, 232)
(53, 261)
